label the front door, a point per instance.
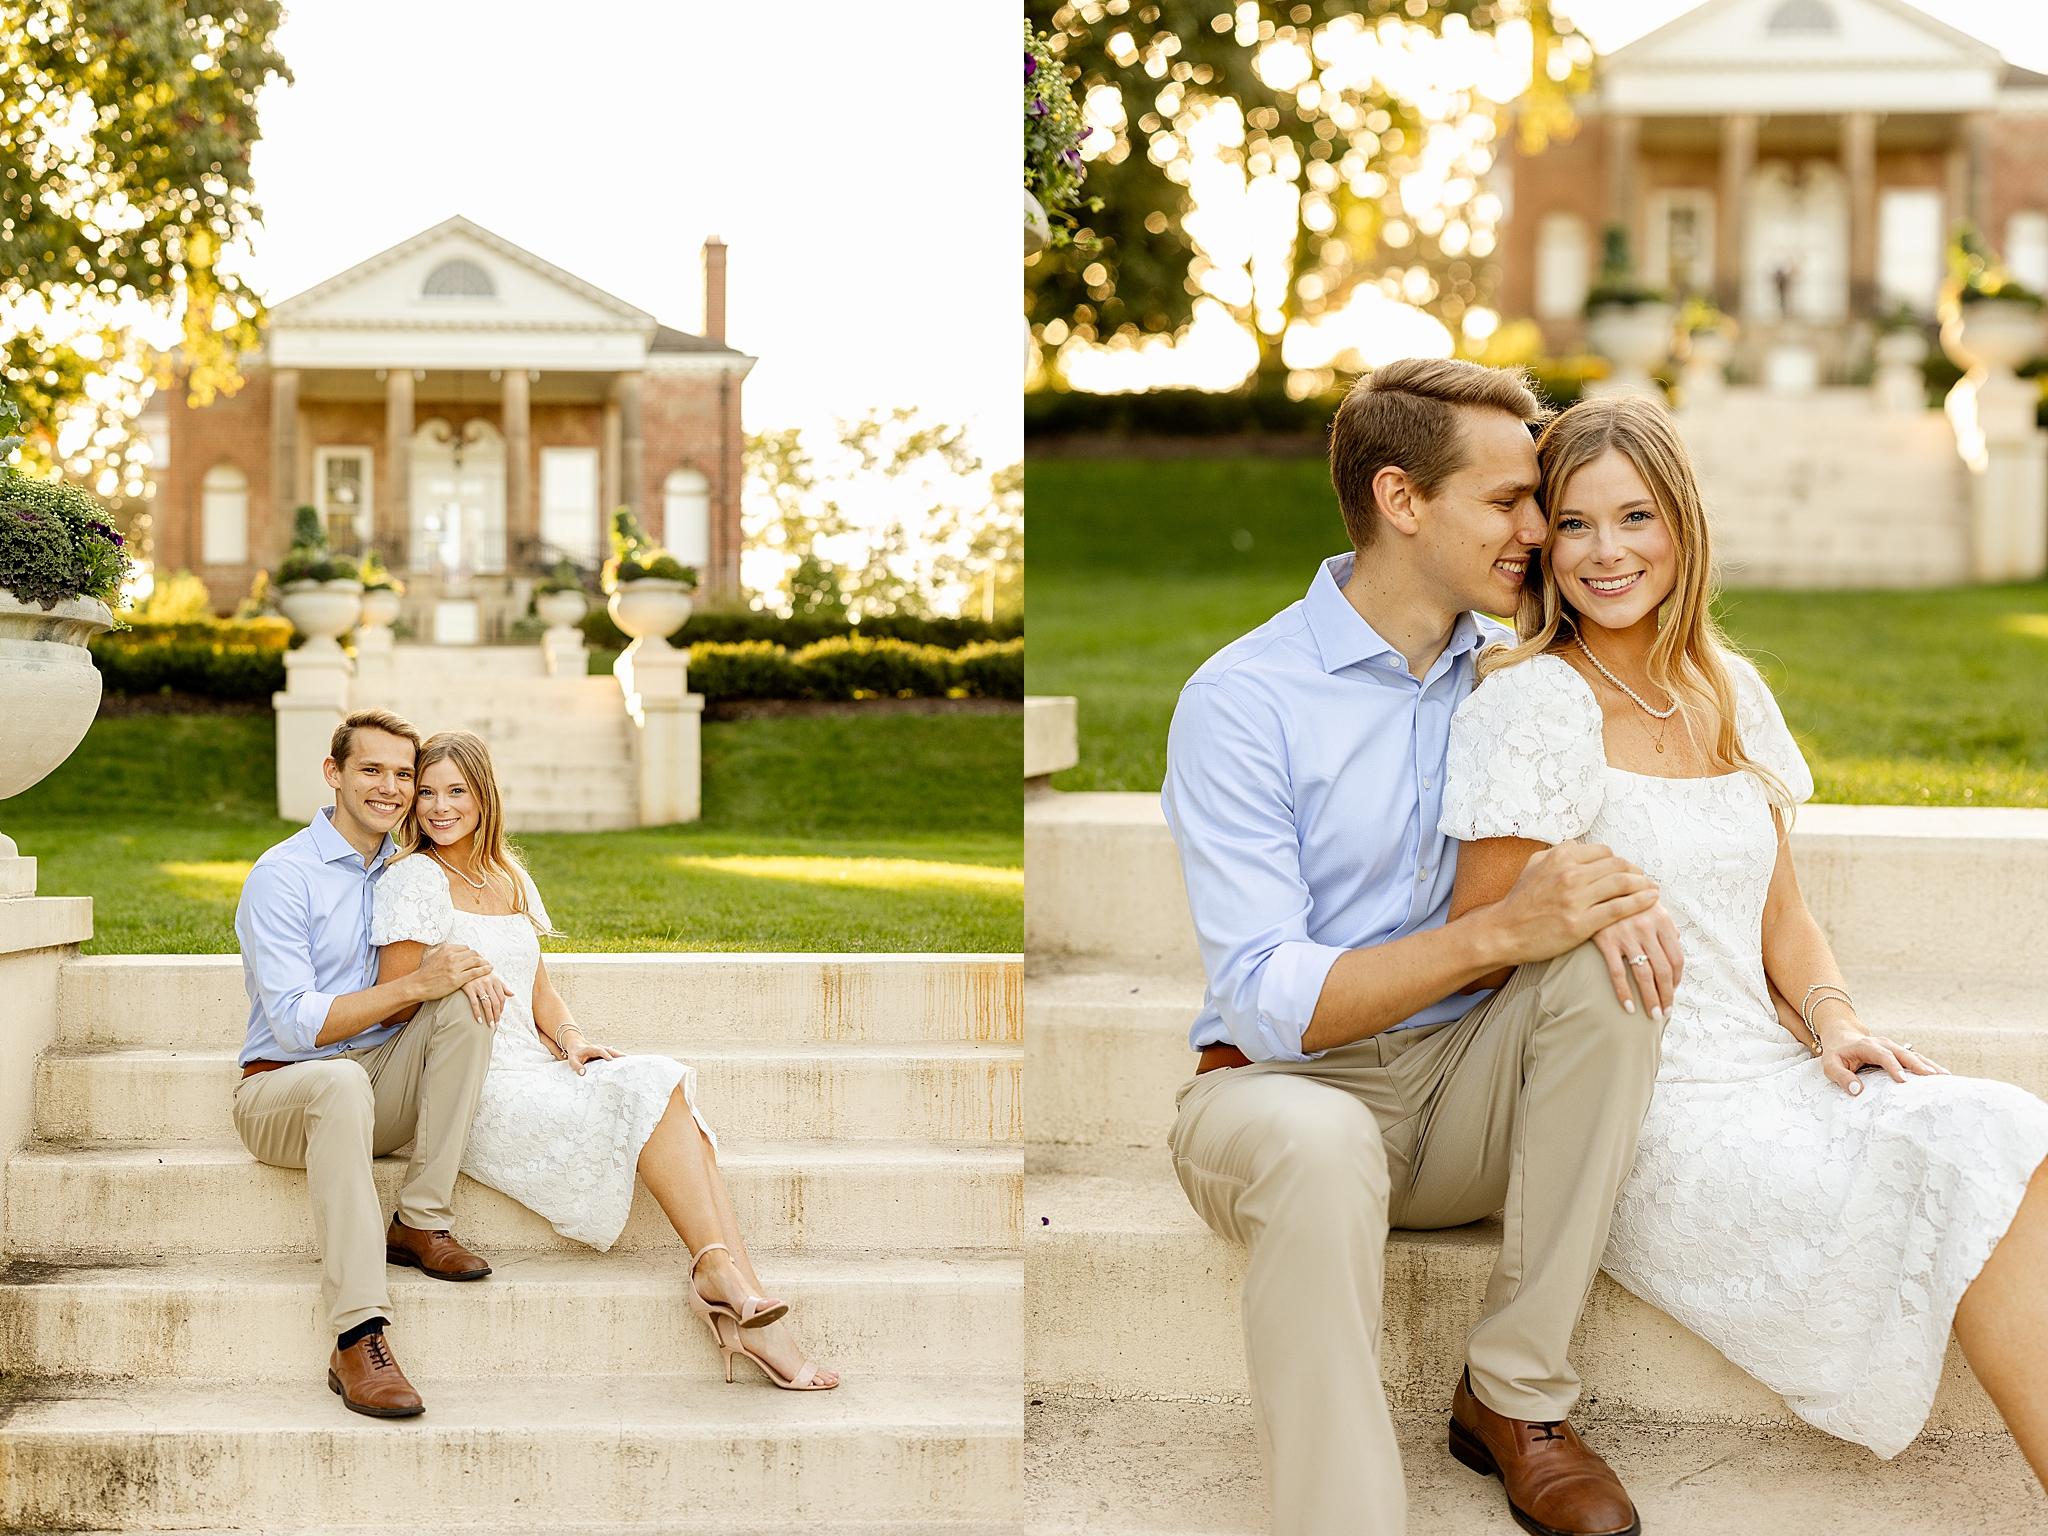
(458, 500)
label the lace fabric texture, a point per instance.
(1818, 1240)
(564, 1146)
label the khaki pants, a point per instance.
(1532, 1102)
(331, 1116)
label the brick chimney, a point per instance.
(714, 289)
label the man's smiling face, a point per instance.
(1482, 527)
(374, 787)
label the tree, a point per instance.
(1345, 143)
(124, 174)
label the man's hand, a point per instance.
(446, 968)
(1653, 937)
(1563, 896)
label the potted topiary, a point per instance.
(62, 567)
(560, 599)
(381, 593)
(319, 591)
(650, 589)
(1989, 322)
(1626, 323)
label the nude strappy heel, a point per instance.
(725, 1331)
(754, 1312)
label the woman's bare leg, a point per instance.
(681, 1172)
(2002, 1324)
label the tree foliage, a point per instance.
(124, 167)
(1161, 65)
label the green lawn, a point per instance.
(900, 832)
(1141, 569)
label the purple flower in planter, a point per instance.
(1038, 107)
(1030, 65)
(1071, 156)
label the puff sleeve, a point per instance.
(1765, 736)
(412, 903)
(534, 907)
(1526, 757)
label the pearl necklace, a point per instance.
(480, 884)
(1654, 714)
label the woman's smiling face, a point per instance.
(447, 811)
(1611, 549)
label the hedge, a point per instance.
(730, 628)
(856, 667)
(1176, 413)
(216, 670)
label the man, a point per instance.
(329, 1081)
(1345, 1084)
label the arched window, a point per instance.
(224, 516)
(686, 516)
(2026, 248)
(1562, 266)
(459, 279)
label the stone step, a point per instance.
(1106, 1050)
(1114, 1222)
(657, 1453)
(1130, 1468)
(257, 1317)
(198, 1001)
(609, 819)
(1898, 887)
(937, 1091)
(120, 1201)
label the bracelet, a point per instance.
(1809, 1003)
(560, 1044)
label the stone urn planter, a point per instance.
(49, 693)
(1037, 227)
(381, 607)
(1995, 335)
(651, 609)
(565, 609)
(322, 611)
(1635, 338)
(1899, 386)
(1704, 378)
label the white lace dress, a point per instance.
(1818, 1240)
(562, 1145)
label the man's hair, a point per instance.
(344, 739)
(1406, 414)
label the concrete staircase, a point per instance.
(562, 746)
(161, 1355)
(1941, 920)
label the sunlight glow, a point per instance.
(865, 874)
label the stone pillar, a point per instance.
(394, 512)
(284, 463)
(1859, 169)
(522, 525)
(1624, 179)
(632, 492)
(1977, 170)
(1992, 412)
(315, 697)
(668, 721)
(1738, 161)
(608, 475)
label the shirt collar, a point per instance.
(1344, 639)
(332, 846)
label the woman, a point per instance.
(563, 1122)
(1817, 1202)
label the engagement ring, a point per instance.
(1638, 959)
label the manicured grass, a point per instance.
(1923, 698)
(900, 832)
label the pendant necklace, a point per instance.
(1659, 715)
(480, 885)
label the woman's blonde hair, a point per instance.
(489, 853)
(1689, 659)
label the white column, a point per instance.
(522, 524)
(1738, 160)
(2007, 455)
(394, 512)
(669, 720)
(315, 697)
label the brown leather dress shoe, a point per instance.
(1556, 1484)
(435, 1252)
(368, 1380)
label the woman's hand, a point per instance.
(487, 995)
(1653, 936)
(581, 1050)
(1845, 1049)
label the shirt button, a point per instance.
(1425, 783)
(1422, 874)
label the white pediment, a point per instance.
(458, 296)
(1802, 56)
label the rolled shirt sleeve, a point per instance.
(1228, 804)
(277, 951)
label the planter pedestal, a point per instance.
(565, 652)
(314, 700)
(2007, 456)
(668, 727)
(373, 654)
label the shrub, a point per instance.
(1177, 413)
(216, 670)
(309, 558)
(993, 670)
(752, 669)
(56, 544)
(725, 627)
(635, 555)
(855, 667)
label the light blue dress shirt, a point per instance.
(1304, 777)
(304, 926)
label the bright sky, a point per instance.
(861, 164)
(2016, 28)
